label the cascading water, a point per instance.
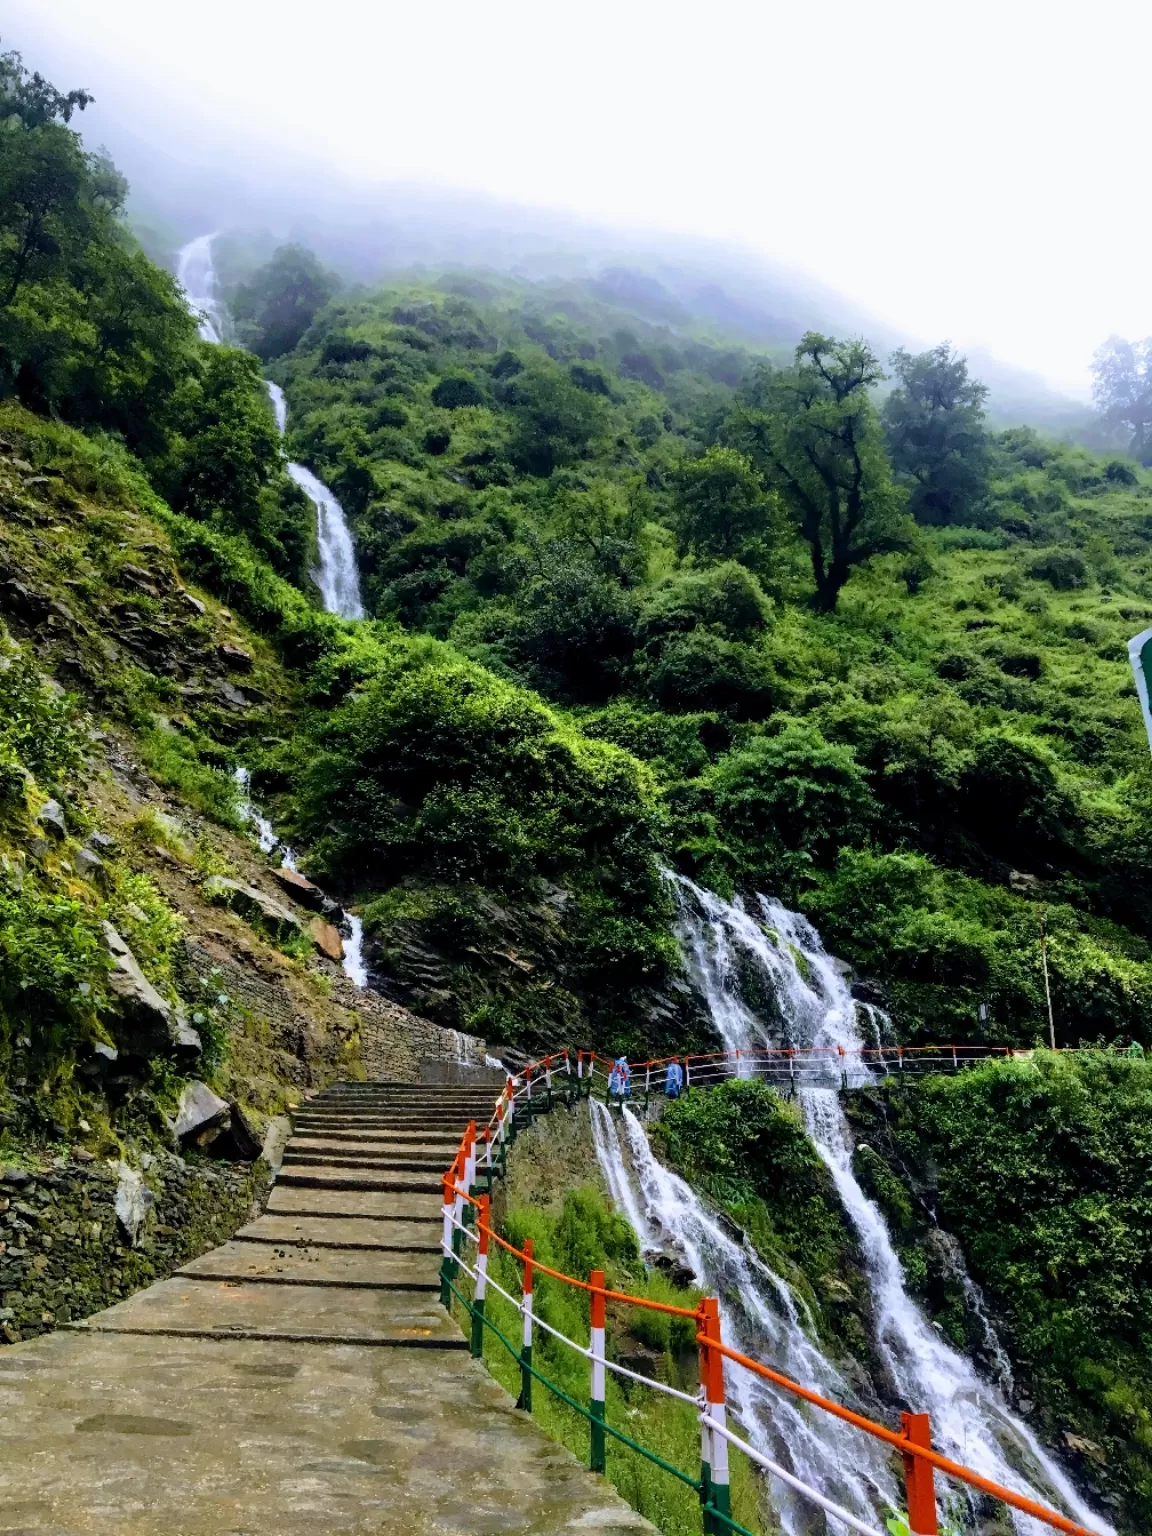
(336, 573)
(196, 274)
(762, 1317)
(814, 1007)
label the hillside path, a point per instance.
(300, 1380)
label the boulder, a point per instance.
(51, 818)
(157, 1025)
(327, 939)
(133, 1202)
(200, 1110)
(237, 1141)
(16, 598)
(89, 865)
(300, 888)
(254, 905)
(235, 659)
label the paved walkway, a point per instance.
(300, 1380)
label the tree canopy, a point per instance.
(815, 434)
(934, 426)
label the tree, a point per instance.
(280, 300)
(815, 434)
(554, 421)
(934, 425)
(1122, 390)
(721, 510)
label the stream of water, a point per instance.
(802, 999)
(336, 572)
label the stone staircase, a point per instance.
(302, 1377)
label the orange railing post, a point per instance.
(714, 1471)
(597, 1460)
(918, 1477)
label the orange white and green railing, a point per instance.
(467, 1224)
(794, 1066)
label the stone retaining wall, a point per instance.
(64, 1255)
(394, 1042)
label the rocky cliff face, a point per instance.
(148, 939)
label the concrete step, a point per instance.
(354, 1234)
(394, 1183)
(334, 1139)
(355, 1205)
(303, 1264)
(191, 1308)
(404, 1163)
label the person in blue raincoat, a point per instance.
(674, 1080)
(620, 1078)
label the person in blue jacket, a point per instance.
(674, 1080)
(620, 1079)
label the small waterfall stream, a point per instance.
(336, 573)
(813, 1006)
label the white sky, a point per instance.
(975, 170)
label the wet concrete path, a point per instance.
(302, 1378)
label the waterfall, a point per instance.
(196, 274)
(354, 967)
(252, 816)
(762, 1317)
(336, 573)
(811, 1004)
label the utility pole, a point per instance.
(1047, 987)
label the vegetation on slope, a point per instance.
(1052, 1211)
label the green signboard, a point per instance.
(1140, 655)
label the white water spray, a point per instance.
(812, 1006)
(196, 274)
(354, 967)
(336, 572)
(762, 1317)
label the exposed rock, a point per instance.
(15, 1178)
(872, 992)
(88, 864)
(231, 694)
(194, 603)
(233, 657)
(200, 1109)
(300, 888)
(51, 817)
(237, 1141)
(1021, 882)
(276, 1135)
(100, 840)
(327, 939)
(20, 600)
(158, 1024)
(253, 905)
(133, 1202)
